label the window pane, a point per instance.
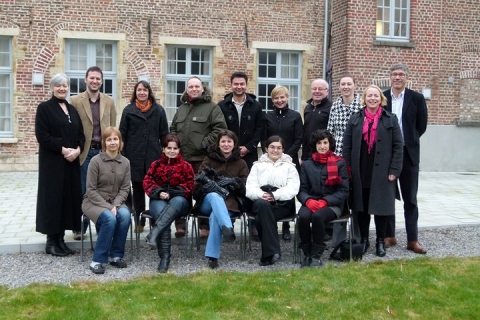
(379, 14)
(104, 56)
(262, 58)
(78, 56)
(5, 105)
(107, 87)
(386, 29)
(5, 52)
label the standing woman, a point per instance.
(168, 183)
(323, 191)
(108, 185)
(143, 126)
(226, 169)
(272, 185)
(373, 149)
(287, 124)
(59, 132)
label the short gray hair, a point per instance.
(402, 66)
(58, 79)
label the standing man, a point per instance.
(197, 123)
(97, 112)
(411, 111)
(244, 116)
(316, 114)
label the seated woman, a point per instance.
(323, 192)
(220, 180)
(272, 185)
(168, 183)
(108, 185)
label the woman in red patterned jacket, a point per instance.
(168, 183)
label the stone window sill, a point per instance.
(392, 43)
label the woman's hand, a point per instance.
(164, 195)
(267, 197)
(71, 154)
(114, 211)
(392, 177)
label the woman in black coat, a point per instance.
(323, 192)
(59, 132)
(143, 126)
(287, 124)
(373, 149)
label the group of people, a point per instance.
(352, 150)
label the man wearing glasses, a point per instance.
(411, 111)
(316, 114)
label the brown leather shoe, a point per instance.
(390, 242)
(180, 226)
(416, 247)
(204, 233)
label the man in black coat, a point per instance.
(411, 111)
(244, 116)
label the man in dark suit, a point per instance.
(411, 111)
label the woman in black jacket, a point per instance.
(323, 191)
(143, 126)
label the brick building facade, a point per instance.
(274, 41)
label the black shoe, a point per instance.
(316, 263)
(228, 234)
(380, 252)
(119, 263)
(150, 242)
(163, 265)
(365, 245)
(270, 260)
(307, 261)
(286, 235)
(97, 269)
(213, 263)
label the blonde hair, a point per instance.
(383, 101)
(278, 90)
(107, 133)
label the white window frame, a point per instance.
(6, 128)
(91, 60)
(393, 8)
(172, 78)
(294, 84)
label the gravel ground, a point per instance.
(17, 270)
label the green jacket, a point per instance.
(197, 124)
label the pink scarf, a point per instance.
(371, 137)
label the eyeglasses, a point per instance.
(319, 89)
(401, 75)
(275, 148)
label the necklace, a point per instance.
(66, 112)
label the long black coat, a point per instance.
(388, 160)
(142, 134)
(287, 124)
(59, 196)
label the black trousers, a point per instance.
(316, 232)
(266, 216)
(409, 188)
(364, 219)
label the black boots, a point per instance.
(163, 247)
(286, 235)
(317, 251)
(381, 247)
(62, 245)
(307, 255)
(53, 246)
(163, 223)
(365, 244)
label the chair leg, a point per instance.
(243, 234)
(91, 239)
(81, 239)
(131, 238)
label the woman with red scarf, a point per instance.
(373, 149)
(323, 191)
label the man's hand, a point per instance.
(243, 151)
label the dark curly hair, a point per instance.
(319, 135)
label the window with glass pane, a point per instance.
(81, 55)
(6, 125)
(279, 68)
(393, 19)
(182, 63)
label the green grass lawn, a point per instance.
(422, 288)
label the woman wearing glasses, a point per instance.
(272, 185)
(287, 124)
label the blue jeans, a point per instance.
(214, 205)
(179, 203)
(112, 235)
(83, 178)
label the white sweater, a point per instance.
(281, 174)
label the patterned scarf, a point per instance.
(143, 106)
(330, 160)
(371, 136)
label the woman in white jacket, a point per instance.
(272, 185)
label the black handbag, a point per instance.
(342, 251)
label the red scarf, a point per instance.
(330, 160)
(371, 137)
(143, 106)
